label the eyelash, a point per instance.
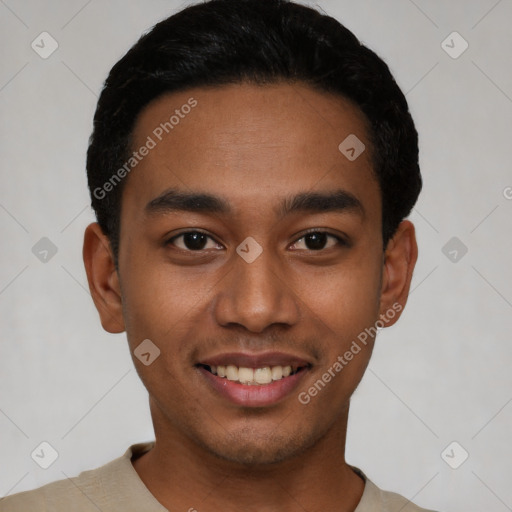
(340, 241)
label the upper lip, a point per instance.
(248, 360)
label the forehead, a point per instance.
(250, 144)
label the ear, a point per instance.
(399, 261)
(103, 278)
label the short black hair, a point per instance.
(220, 42)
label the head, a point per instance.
(221, 132)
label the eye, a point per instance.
(192, 241)
(317, 240)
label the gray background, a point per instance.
(442, 374)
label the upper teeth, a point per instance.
(244, 375)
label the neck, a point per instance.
(184, 476)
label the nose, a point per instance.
(256, 295)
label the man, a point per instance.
(251, 167)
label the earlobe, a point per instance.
(103, 278)
(399, 261)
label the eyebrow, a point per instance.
(308, 202)
(319, 202)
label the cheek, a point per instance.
(151, 297)
(343, 306)
(168, 306)
(156, 310)
(345, 300)
(156, 306)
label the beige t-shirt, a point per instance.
(116, 487)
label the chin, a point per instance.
(248, 449)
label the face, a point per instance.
(251, 247)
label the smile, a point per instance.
(253, 380)
(253, 376)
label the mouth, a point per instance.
(253, 376)
(253, 380)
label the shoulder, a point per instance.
(375, 499)
(91, 490)
(60, 495)
(394, 502)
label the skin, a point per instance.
(252, 146)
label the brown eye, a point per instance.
(192, 241)
(317, 240)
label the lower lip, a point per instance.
(259, 395)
